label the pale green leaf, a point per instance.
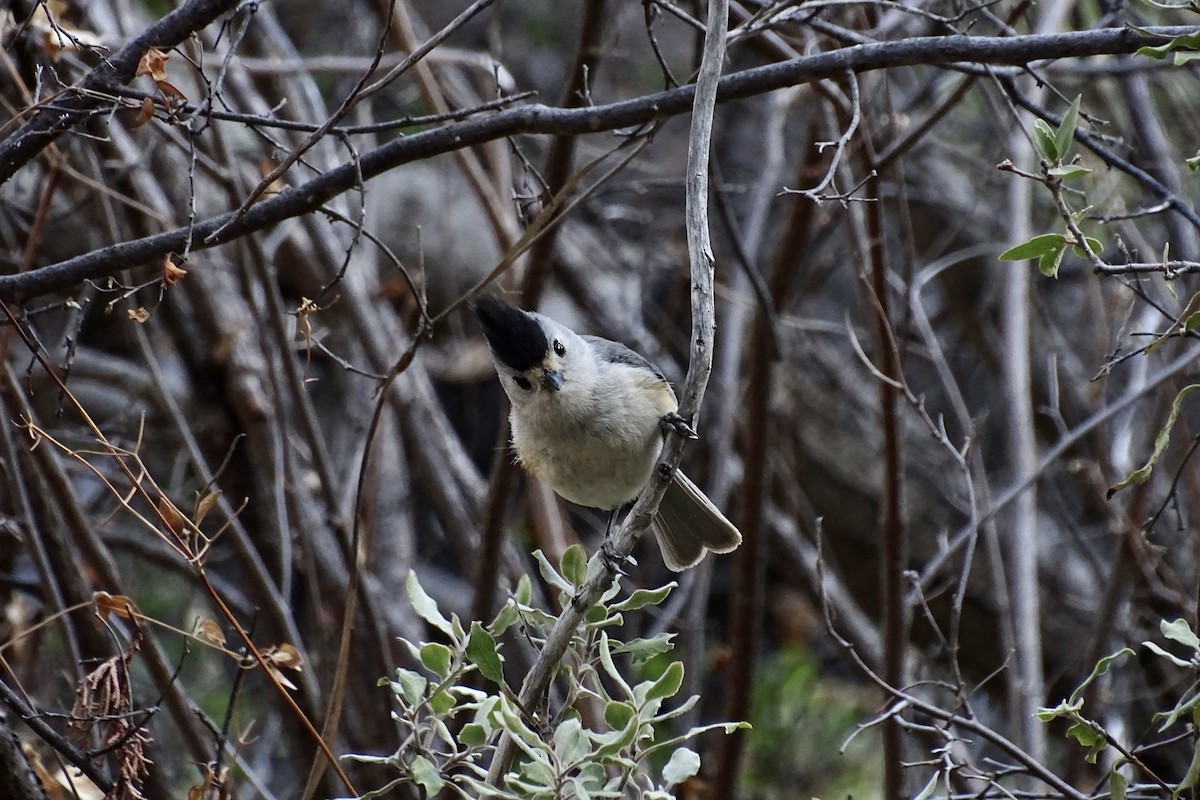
(1043, 137)
(683, 764)
(427, 776)
(1064, 137)
(1036, 247)
(1180, 631)
(641, 598)
(481, 649)
(1141, 474)
(668, 684)
(437, 658)
(550, 574)
(425, 606)
(573, 564)
(1067, 171)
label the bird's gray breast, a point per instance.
(595, 449)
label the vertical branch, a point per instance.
(892, 531)
(602, 566)
(1022, 550)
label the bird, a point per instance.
(589, 417)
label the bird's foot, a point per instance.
(674, 422)
(612, 559)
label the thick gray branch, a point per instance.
(931, 51)
(86, 97)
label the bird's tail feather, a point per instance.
(688, 525)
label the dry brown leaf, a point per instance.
(145, 113)
(172, 273)
(171, 94)
(171, 516)
(209, 631)
(139, 314)
(154, 64)
(284, 655)
(116, 604)
(206, 505)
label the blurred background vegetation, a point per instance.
(916, 438)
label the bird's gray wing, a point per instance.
(617, 353)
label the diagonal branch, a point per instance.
(602, 568)
(86, 97)
(540, 119)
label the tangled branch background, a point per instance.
(232, 232)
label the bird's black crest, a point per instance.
(516, 338)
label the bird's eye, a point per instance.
(523, 383)
(559, 349)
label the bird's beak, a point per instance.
(552, 380)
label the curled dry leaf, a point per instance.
(171, 94)
(172, 273)
(209, 631)
(145, 113)
(139, 314)
(171, 516)
(206, 505)
(117, 605)
(284, 655)
(154, 64)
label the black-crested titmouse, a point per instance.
(588, 417)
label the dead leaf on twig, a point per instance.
(172, 272)
(117, 605)
(209, 631)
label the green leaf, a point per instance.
(683, 764)
(1193, 162)
(1189, 41)
(574, 565)
(1117, 783)
(1180, 631)
(1174, 659)
(1043, 137)
(1094, 244)
(437, 658)
(1035, 248)
(410, 685)
(1064, 137)
(441, 702)
(570, 743)
(481, 649)
(506, 617)
(1161, 441)
(1101, 668)
(644, 597)
(617, 714)
(1048, 264)
(473, 735)
(427, 776)
(643, 650)
(1193, 773)
(550, 574)
(668, 684)
(1067, 171)
(1088, 736)
(425, 606)
(524, 592)
(610, 667)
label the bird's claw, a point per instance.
(674, 422)
(612, 559)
